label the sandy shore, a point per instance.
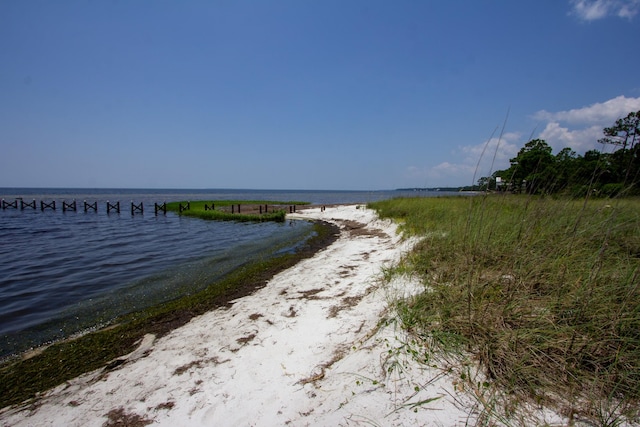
(307, 349)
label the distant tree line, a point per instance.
(535, 170)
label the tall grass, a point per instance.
(544, 293)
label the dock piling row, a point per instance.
(19, 203)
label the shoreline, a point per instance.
(30, 372)
(309, 348)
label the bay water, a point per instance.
(63, 273)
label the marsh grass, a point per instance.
(543, 292)
(250, 210)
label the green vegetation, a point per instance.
(23, 379)
(535, 170)
(235, 210)
(544, 293)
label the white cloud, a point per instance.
(578, 129)
(629, 10)
(484, 159)
(583, 126)
(601, 113)
(580, 140)
(485, 152)
(591, 10)
(475, 161)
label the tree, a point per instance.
(624, 133)
(567, 162)
(533, 169)
(625, 162)
(536, 170)
(484, 183)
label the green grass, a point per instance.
(227, 210)
(23, 379)
(544, 293)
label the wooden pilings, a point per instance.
(261, 209)
(136, 208)
(24, 204)
(69, 206)
(73, 206)
(160, 207)
(93, 206)
(113, 206)
(6, 204)
(44, 205)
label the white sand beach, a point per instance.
(308, 349)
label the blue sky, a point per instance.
(296, 94)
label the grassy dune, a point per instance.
(544, 293)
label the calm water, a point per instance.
(65, 272)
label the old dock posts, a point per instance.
(136, 208)
(44, 205)
(6, 204)
(113, 206)
(160, 207)
(24, 204)
(93, 206)
(186, 207)
(69, 206)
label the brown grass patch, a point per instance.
(347, 302)
(119, 418)
(198, 364)
(166, 406)
(355, 228)
(247, 339)
(184, 368)
(310, 294)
